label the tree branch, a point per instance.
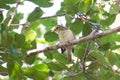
(84, 39)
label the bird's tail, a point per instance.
(69, 54)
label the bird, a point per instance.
(65, 35)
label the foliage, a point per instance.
(14, 46)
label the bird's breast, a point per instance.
(66, 36)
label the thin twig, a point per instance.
(84, 59)
(24, 24)
(85, 56)
(3, 52)
(17, 24)
(12, 16)
(57, 15)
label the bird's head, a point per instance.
(59, 28)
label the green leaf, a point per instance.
(63, 66)
(103, 74)
(4, 6)
(4, 38)
(71, 6)
(78, 6)
(117, 60)
(76, 27)
(14, 69)
(34, 44)
(111, 57)
(109, 39)
(28, 33)
(0, 39)
(1, 16)
(56, 66)
(108, 19)
(105, 47)
(114, 9)
(37, 72)
(99, 57)
(49, 54)
(7, 39)
(20, 16)
(42, 3)
(5, 58)
(38, 40)
(27, 45)
(86, 30)
(116, 37)
(115, 47)
(108, 42)
(36, 14)
(79, 76)
(95, 18)
(50, 22)
(37, 33)
(60, 58)
(80, 50)
(15, 21)
(8, 1)
(50, 36)
(35, 26)
(31, 59)
(51, 73)
(94, 66)
(19, 38)
(85, 5)
(3, 71)
(14, 53)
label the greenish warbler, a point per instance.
(65, 35)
